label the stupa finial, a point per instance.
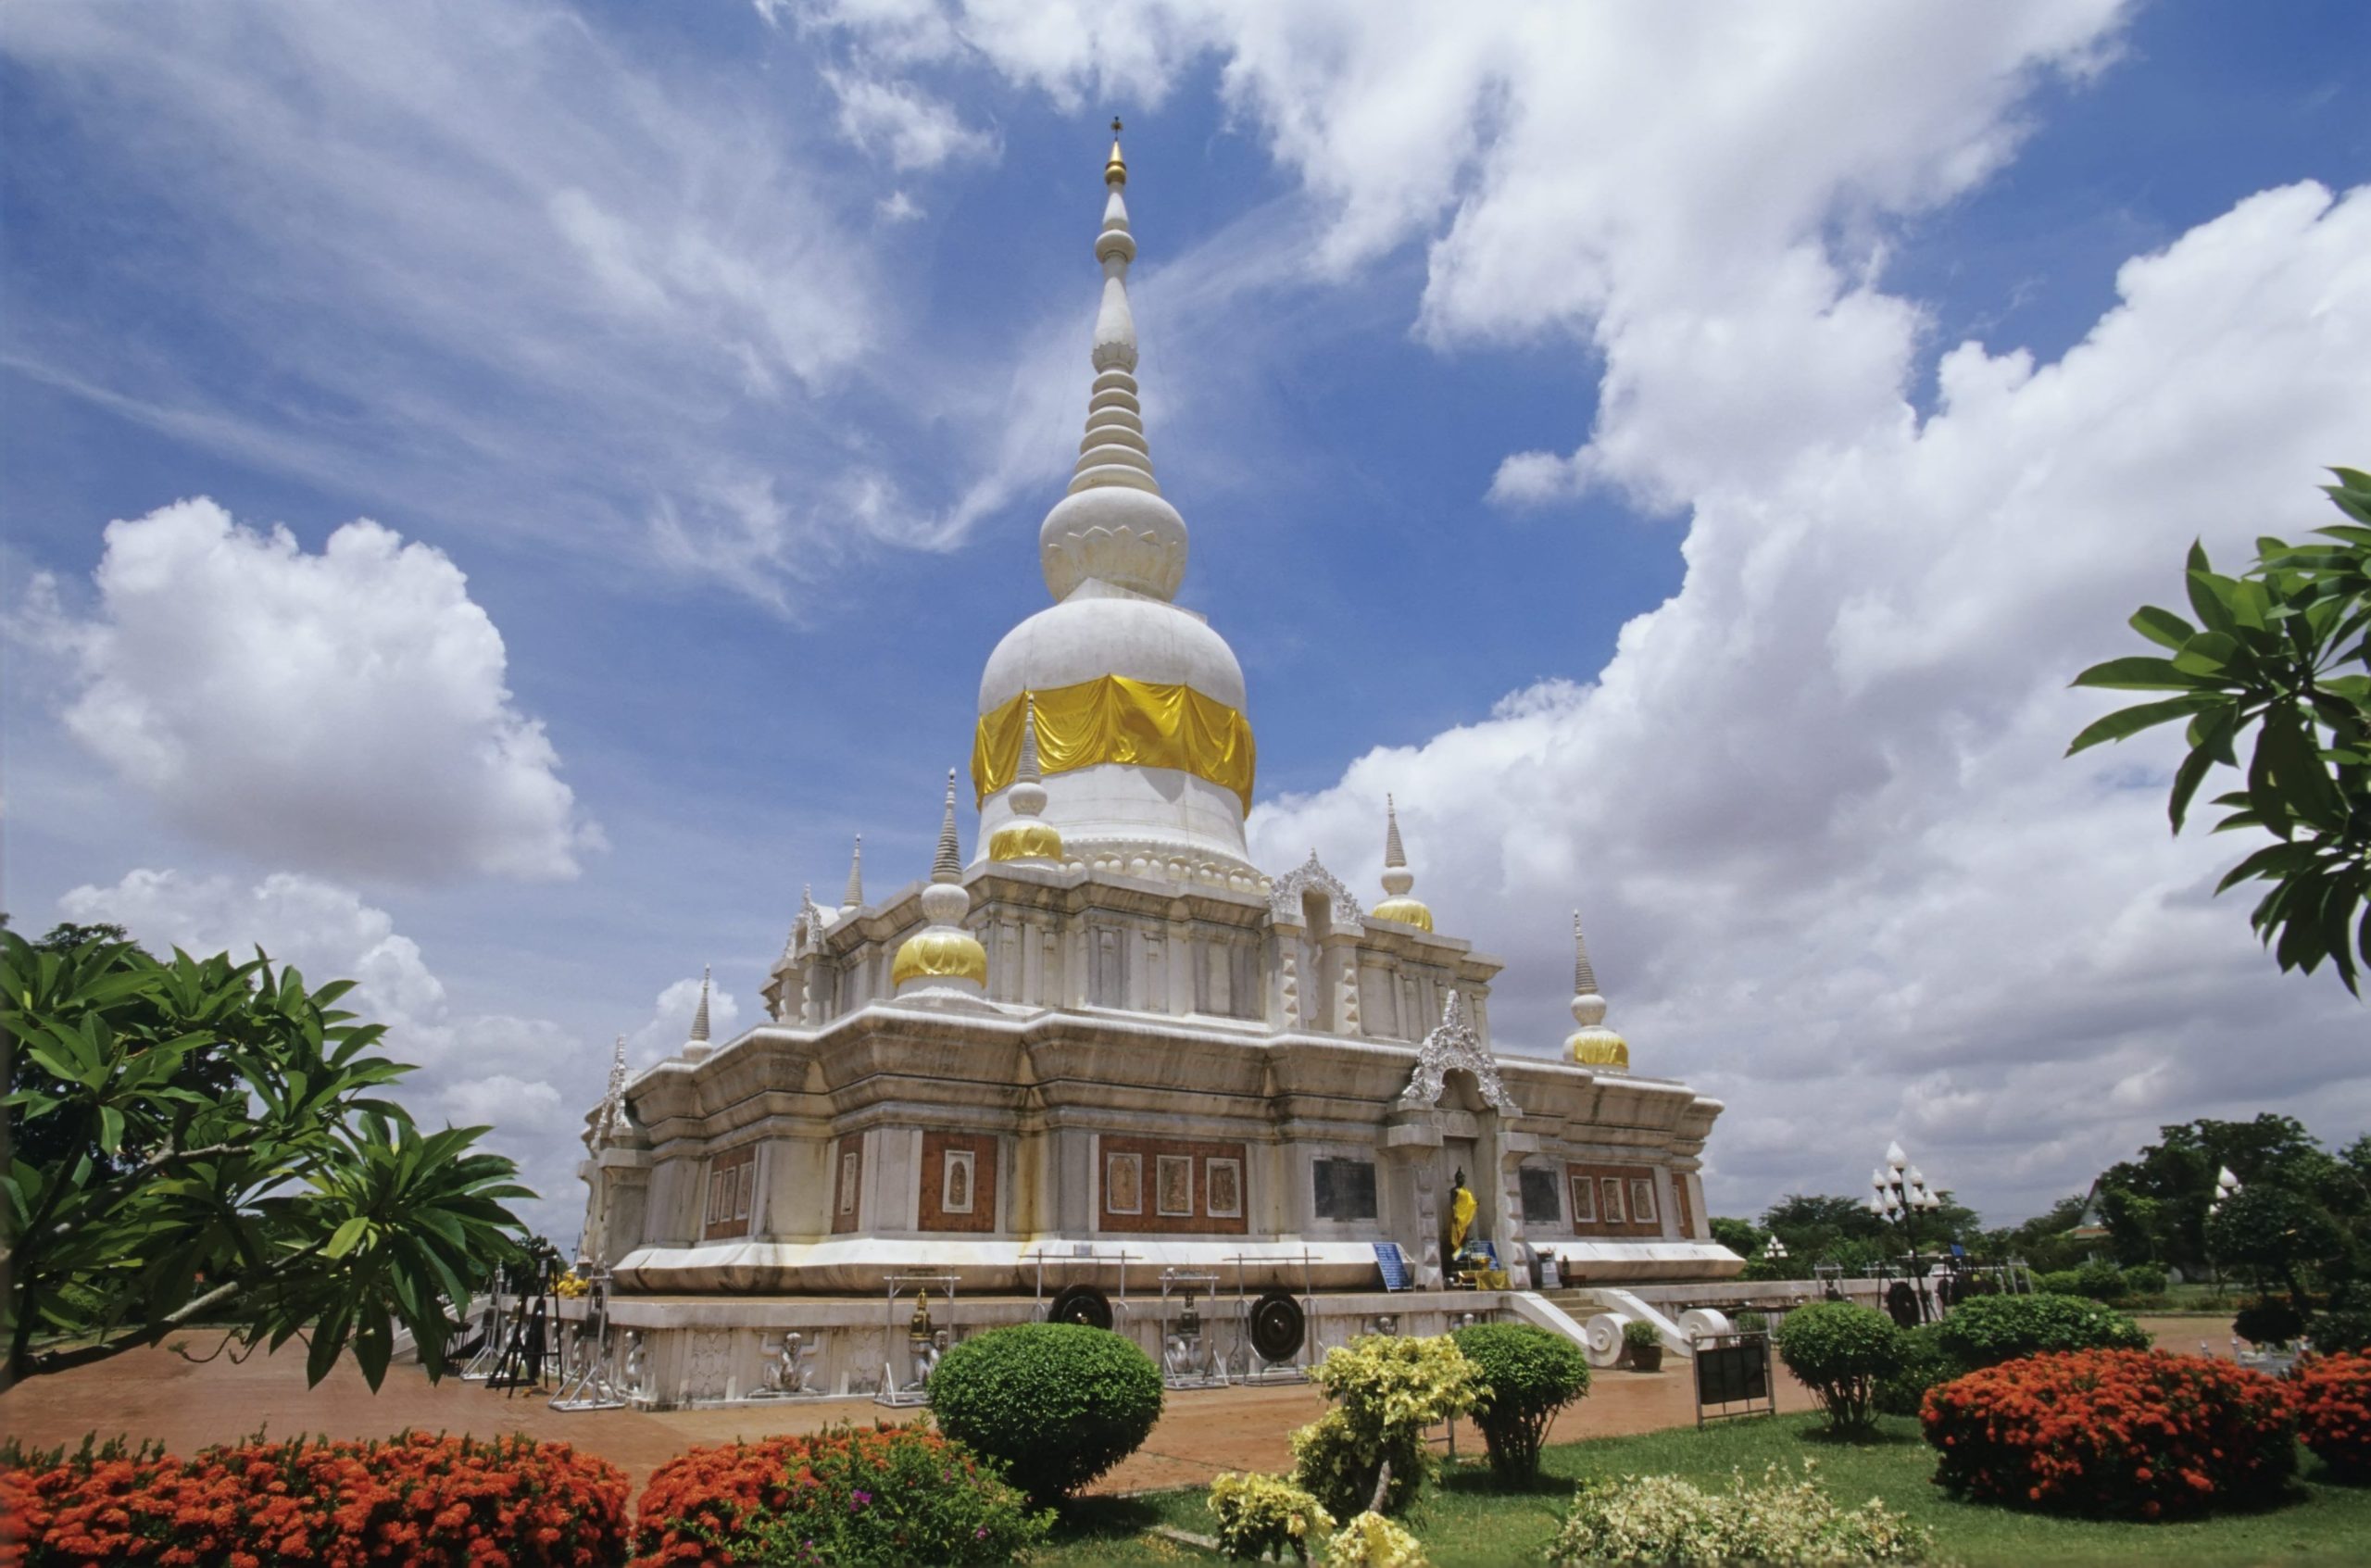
(1026, 838)
(853, 899)
(942, 956)
(1398, 880)
(1592, 1045)
(1113, 524)
(699, 1015)
(948, 865)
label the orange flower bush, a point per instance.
(2333, 1396)
(2124, 1434)
(845, 1498)
(511, 1502)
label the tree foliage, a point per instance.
(2281, 658)
(272, 1194)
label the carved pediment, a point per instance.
(1284, 896)
(1454, 1046)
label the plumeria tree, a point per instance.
(274, 1193)
(2280, 661)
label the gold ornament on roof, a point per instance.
(1115, 170)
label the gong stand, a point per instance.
(1254, 1313)
(586, 1381)
(1188, 1356)
(1081, 1255)
(489, 1350)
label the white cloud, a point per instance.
(670, 1022)
(483, 262)
(346, 711)
(1835, 867)
(897, 120)
(528, 1079)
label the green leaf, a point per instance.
(2132, 720)
(349, 1236)
(2163, 626)
(2140, 672)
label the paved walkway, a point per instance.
(158, 1394)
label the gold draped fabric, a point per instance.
(1113, 719)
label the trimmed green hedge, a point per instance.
(1842, 1351)
(1527, 1375)
(1055, 1404)
(1992, 1329)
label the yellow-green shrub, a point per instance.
(1373, 1541)
(1264, 1515)
(1387, 1388)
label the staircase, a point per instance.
(1569, 1311)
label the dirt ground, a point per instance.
(187, 1404)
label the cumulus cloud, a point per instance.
(528, 1079)
(345, 710)
(1835, 869)
(899, 121)
(669, 1023)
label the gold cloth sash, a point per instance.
(1113, 719)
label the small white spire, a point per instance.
(1025, 838)
(1396, 878)
(699, 1016)
(943, 957)
(1583, 976)
(853, 899)
(1591, 1045)
(948, 865)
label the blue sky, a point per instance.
(708, 367)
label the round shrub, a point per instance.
(1056, 1404)
(2099, 1280)
(2146, 1279)
(1992, 1329)
(2060, 1282)
(2116, 1434)
(1527, 1375)
(881, 1499)
(1924, 1363)
(1840, 1350)
(2333, 1399)
(412, 1499)
(2268, 1320)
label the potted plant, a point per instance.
(1646, 1346)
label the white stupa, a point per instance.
(1109, 1050)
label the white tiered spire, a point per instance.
(696, 1045)
(1113, 524)
(853, 899)
(943, 957)
(1396, 878)
(1592, 1045)
(1026, 838)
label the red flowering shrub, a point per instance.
(2126, 1434)
(2333, 1397)
(412, 1499)
(883, 1498)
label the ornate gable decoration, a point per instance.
(610, 1119)
(1283, 898)
(1450, 1048)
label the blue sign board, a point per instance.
(1394, 1264)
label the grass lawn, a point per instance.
(1466, 1523)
